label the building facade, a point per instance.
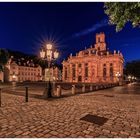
(1, 76)
(20, 70)
(94, 65)
(52, 74)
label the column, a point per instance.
(108, 72)
(70, 73)
(63, 73)
(76, 73)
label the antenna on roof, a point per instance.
(85, 48)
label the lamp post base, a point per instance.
(48, 91)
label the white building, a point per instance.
(20, 71)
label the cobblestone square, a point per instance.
(60, 118)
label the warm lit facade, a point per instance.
(1, 76)
(22, 71)
(52, 74)
(94, 65)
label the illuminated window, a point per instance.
(86, 70)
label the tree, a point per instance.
(4, 56)
(133, 68)
(122, 12)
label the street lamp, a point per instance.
(118, 76)
(49, 54)
(129, 78)
(14, 77)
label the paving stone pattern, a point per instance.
(59, 118)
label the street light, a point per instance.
(118, 76)
(49, 54)
(130, 78)
(14, 76)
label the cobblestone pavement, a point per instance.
(61, 117)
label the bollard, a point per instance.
(26, 94)
(58, 91)
(73, 89)
(0, 96)
(97, 88)
(91, 87)
(83, 88)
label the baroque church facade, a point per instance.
(94, 65)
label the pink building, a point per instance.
(94, 65)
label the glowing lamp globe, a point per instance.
(42, 54)
(14, 76)
(56, 54)
(49, 46)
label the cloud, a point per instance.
(91, 29)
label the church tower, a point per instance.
(100, 42)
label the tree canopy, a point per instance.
(122, 12)
(4, 56)
(133, 68)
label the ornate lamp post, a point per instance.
(49, 54)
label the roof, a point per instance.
(24, 62)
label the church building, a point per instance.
(94, 65)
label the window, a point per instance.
(66, 74)
(79, 65)
(79, 78)
(86, 70)
(111, 71)
(104, 71)
(73, 71)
